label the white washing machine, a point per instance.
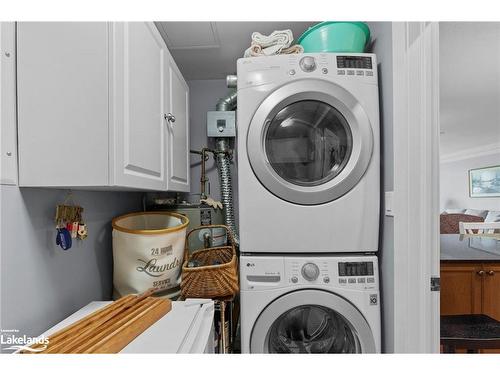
(308, 153)
(321, 304)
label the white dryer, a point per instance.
(308, 153)
(322, 304)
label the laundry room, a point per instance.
(174, 204)
(220, 187)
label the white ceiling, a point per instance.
(208, 50)
(469, 85)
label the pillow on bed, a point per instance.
(454, 210)
(481, 213)
(492, 217)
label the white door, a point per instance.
(139, 87)
(62, 103)
(177, 120)
(416, 186)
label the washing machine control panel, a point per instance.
(356, 272)
(272, 271)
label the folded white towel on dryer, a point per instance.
(277, 42)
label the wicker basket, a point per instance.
(210, 281)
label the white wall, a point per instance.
(41, 284)
(382, 46)
(455, 183)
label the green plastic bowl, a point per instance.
(335, 37)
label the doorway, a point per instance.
(469, 143)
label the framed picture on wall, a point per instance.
(484, 182)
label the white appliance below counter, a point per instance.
(187, 328)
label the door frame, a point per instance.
(416, 185)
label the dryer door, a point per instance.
(310, 142)
(311, 321)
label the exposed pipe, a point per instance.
(203, 176)
(226, 186)
(222, 157)
(231, 81)
(227, 103)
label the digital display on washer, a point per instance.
(354, 62)
(355, 268)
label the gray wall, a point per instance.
(40, 283)
(382, 46)
(455, 183)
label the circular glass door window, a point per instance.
(308, 143)
(312, 329)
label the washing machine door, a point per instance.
(311, 321)
(310, 142)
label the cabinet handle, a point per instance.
(481, 273)
(169, 117)
(491, 272)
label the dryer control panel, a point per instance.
(274, 70)
(268, 272)
(361, 66)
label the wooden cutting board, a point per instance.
(110, 329)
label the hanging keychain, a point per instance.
(69, 223)
(63, 236)
(82, 231)
(74, 220)
(82, 227)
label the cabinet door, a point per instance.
(8, 128)
(62, 88)
(460, 288)
(138, 87)
(491, 290)
(178, 137)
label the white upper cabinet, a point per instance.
(62, 86)
(138, 101)
(93, 102)
(178, 127)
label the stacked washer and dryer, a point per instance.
(309, 197)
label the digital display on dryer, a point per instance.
(354, 62)
(356, 269)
